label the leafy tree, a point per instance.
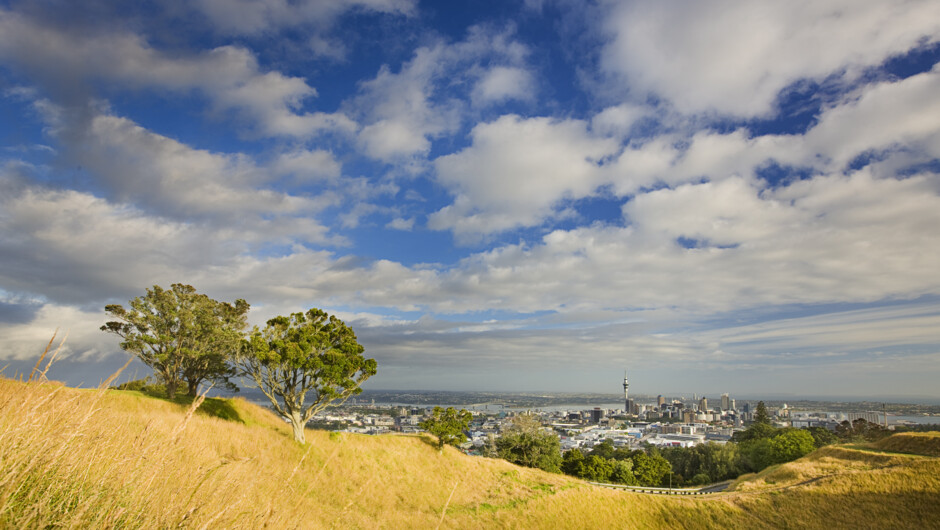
(448, 425)
(760, 415)
(756, 431)
(622, 472)
(861, 429)
(596, 468)
(573, 463)
(526, 444)
(303, 353)
(715, 461)
(791, 444)
(822, 436)
(604, 449)
(219, 333)
(650, 469)
(786, 445)
(757, 454)
(181, 334)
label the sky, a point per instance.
(717, 196)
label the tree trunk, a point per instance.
(171, 389)
(193, 388)
(297, 422)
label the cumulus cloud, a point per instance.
(516, 171)
(170, 179)
(400, 223)
(230, 76)
(404, 111)
(502, 84)
(308, 165)
(734, 58)
(253, 16)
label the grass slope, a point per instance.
(918, 443)
(80, 458)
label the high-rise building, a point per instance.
(725, 402)
(626, 395)
(733, 406)
(703, 404)
(660, 401)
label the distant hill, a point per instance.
(106, 458)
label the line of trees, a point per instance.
(302, 362)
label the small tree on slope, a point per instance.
(448, 425)
(305, 353)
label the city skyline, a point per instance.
(519, 195)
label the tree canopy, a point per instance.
(448, 425)
(305, 353)
(182, 335)
(527, 444)
(760, 415)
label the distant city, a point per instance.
(584, 420)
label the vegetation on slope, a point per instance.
(107, 458)
(922, 443)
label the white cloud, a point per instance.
(618, 120)
(861, 329)
(388, 140)
(308, 165)
(400, 223)
(79, 329)
(735, 57)
(229, 75)
(504, 83)
(516, 171)
(167, 177)
(887, 115)
(256, 16)
(404, 111)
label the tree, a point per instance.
(757, 431)
(219, 333)
(650, 470)
(791, 444)
(573, 463)
(822, 436)
(760, 415)
(604, 449)
(597, 468)
(622, 472)
(861, 429)
(448, 425)
(311, 352)
(526, 444)
(181, 334)
(715, 461)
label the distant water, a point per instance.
(920, 420)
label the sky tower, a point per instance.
(626, 396)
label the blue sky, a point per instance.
(513, 195)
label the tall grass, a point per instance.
(119, 459)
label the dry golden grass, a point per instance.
(918, 443)
(104, 459)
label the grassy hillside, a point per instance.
(99, 458)
(918, 443)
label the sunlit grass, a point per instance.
(106, 458)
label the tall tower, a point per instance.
(626, 395)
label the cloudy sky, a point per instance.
(720, 196)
